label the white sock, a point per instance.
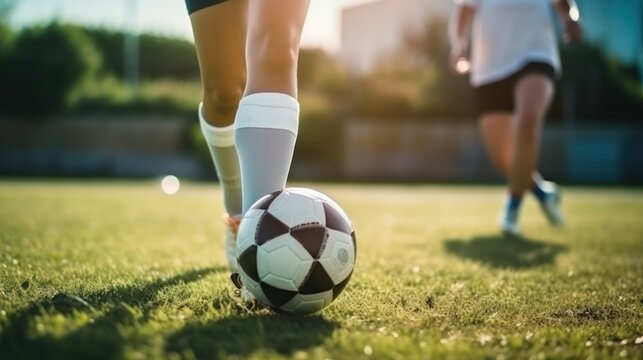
(221, 143)
(265, 130)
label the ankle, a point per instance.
(514, 201)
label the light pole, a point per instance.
(131, 46)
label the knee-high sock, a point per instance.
(221, 144)
(265, 130)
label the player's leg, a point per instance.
(534, 92)
(495, 128)
(220, 36)
(220, 39)
(268, 116)
(496, 106)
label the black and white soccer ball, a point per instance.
(296, 250)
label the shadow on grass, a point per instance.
(243, 335)
(500, 251)
(99, 338)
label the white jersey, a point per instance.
(509, 33)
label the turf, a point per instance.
(106, 270)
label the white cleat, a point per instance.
(551, 204)
(509, 223)
(232, 229)
(246, 295)
(230, 236)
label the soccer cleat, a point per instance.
(550, 204)
(246, 295)
(509, 223)
(231, 230)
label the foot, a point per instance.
(509, 223)
(550, 204)
(230, 235)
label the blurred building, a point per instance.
(376, 29)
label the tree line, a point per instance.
(57, 68)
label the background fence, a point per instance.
(358, 149)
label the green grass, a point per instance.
(119, 270)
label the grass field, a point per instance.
(107, 270)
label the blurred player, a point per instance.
(249, 114)
(514, 62)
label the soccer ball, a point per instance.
(296, 250)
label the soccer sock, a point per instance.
(513, 203)
(221, 144)
(265, 130)
(539, 192)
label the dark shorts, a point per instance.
(196, 5)
(499, 96)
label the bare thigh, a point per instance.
(495, 129)
(220, 40)
(532, 94)
(274, 33)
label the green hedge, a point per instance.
(160, 57)
(43, 66)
